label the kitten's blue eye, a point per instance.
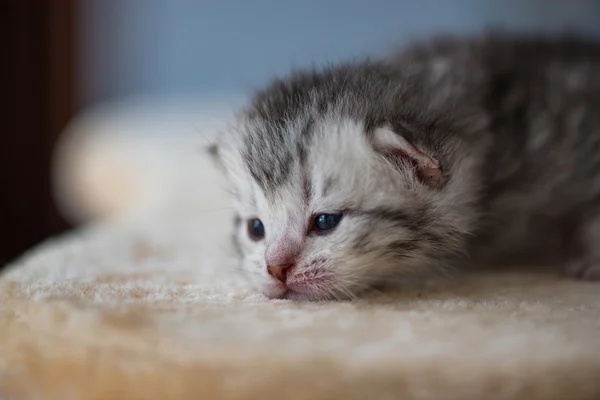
(256, 230)
(326, 222)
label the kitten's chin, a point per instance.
(275, 293)
(301, 288)
(278, 290)
(274, 290)
(305, 295)
(299, 296)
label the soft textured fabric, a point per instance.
(150, 305)
(153, 312)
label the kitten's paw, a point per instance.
(588, 270)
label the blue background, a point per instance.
(187, 47)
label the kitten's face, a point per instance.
(332, 200)
(334, 213)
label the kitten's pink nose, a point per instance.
(279, 272)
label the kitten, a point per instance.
(452, 151)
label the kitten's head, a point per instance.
(339, 185)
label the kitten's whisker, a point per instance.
(228, 191)
(204, 135)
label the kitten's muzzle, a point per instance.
(279, 272)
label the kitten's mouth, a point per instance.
(311, 285)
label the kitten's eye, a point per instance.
(326, 222)
(256, 230)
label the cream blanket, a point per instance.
(145, 303)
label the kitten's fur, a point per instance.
(513, 123)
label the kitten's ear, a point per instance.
(402, 153)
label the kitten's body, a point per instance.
(451, 151)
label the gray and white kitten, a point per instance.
(452, 151)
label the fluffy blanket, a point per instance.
(145, 303)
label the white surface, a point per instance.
(132, 157)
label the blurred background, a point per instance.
(120, 59)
